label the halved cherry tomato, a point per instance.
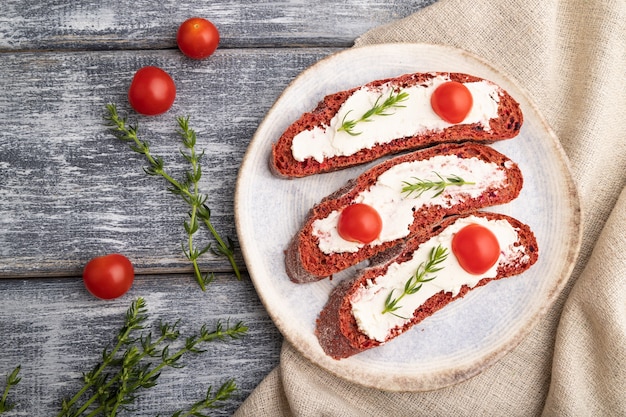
(109, 276)
(197, 38)
(359, 223)
(476, 248)
(152, 91)
(452, 101)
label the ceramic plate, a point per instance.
(469, 334)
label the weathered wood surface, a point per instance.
(57, 332)
(146, 24)
(70, 191)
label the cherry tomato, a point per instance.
(197, 38)
(359, 223)
(476, 248)
(152, 91)
(452, 101)
(108, 276)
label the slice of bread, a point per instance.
(503, 123)
(310, 255)
(337, 329)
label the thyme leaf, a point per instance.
(381, 109)
(11, 381)
(210, 401)
(436, 256)
(419, 186)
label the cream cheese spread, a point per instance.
(415, 117)
(368, 301)
(396, 208)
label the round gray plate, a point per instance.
(466, 336)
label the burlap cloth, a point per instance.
(570, 55)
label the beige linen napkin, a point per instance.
(570, 55)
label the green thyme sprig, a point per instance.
(11, 381)
(419, 186)
(135, 316)
(136, 362)
(210, 401)
(436, 256)
(381, 109)
(198, 204)
(188, 189)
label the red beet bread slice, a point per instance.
(504, 121)
(316, 252)
(338, 328)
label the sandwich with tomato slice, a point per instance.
(434, 268)
(394, 115)
(386, 205)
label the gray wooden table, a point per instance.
(70, 191)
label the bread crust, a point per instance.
(505, 126)
(305, 261)
(336, 327)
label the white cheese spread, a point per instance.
(369, 300)
(396, 208)
(415, 117)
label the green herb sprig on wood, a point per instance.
(211, 401)
(379, 109)
(436, 256)
(188, 189)
(136, 362)
(419, 186)
(11, 381)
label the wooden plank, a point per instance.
(70, 191)
(142, 24)
(56, 331)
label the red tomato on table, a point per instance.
(452, 101)
(152, 91)
(359, 223)
(109, 276)
(476, 248)
(197, 38)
